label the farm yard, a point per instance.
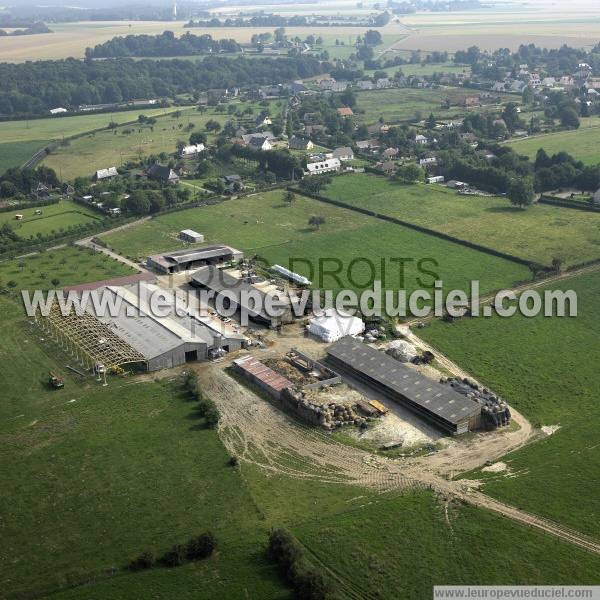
(548, 373)
(583, 144)
(538, 234)
(264, 225)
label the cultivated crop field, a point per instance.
(546, 368)
(54, 218)
(403, 104)
(264, 225)
(539, 233)
(583, 144)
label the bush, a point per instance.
(201, 546)
(174, 557)
(142, 562)
(208, 409)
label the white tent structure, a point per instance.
(330, 325)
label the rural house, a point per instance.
(162, 174)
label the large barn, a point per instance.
(193, 258)
(437, 403)
(133, 333)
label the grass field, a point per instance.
(54, 218)
(402, 104)
(56, 128)
(546, 368)
(262, 224)
(539, 233)
(583, 144)
(14, 154)
(93, 476)
(69, 265)
(115, 147)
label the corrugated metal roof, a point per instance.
(438, 399)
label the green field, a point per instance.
(54, 218)
(93, 476)
(583, 143)
(538, 234)
(83, 156)
(69, 265)
(547, 369)
(263, 224)
(402, 104)
(55, 128)
(14, 154)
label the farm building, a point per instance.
(242, 292)
(295, 277)
(436, 179)
(193, 150)
(192, 258)
(332, 325)
(133, 334)
(437, 403)
(105, 173)
(345, 111)
(267, 379)
(189, 235)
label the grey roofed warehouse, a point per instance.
(164, 342)
(438, 403)
(190, 258)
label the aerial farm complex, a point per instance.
(218, 286)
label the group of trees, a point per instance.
(16, 181)
(35, 87)
(34, 28)
(308, 582)
(164, 44)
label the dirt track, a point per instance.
(260, 433)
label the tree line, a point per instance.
(33, 88)
(164, 44)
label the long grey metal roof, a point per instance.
(433, 397)
(221, 281)
(150, 335)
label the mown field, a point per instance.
(583, 143)
(114, 147)
(539, 233)
(54, 218)
(264, 225)
(546, 368)
(404, 104)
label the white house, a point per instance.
(323, 166)
(431, 160)
(436, 179)
(421, 139)
(331, 325)
(193, 150)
